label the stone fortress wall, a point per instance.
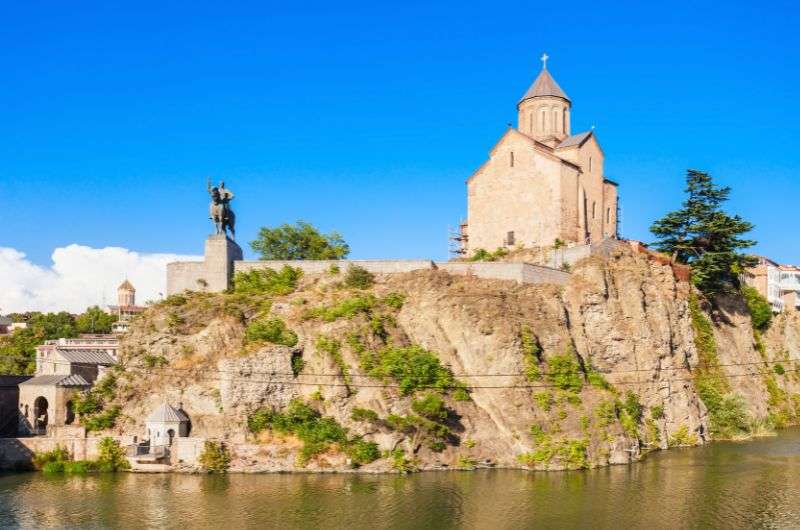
(223, 259)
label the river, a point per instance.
(725, 485)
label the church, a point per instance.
(541, 183)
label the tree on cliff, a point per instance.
(94, 320)
(702, 235)
(299, 241)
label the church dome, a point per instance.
(544, 85)
(126, 286)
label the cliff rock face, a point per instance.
(595, 373)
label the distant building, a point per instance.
(126, 307)
(779, 284)
(8, 326)
(542, 183)
(64, 367)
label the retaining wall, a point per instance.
(518, 272)
(320, 266)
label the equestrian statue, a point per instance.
(220, 211)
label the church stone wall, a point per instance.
(517, 198)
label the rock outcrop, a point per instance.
(598, 372)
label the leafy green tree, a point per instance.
(18, 351)
(299, 241)
(702, 235)
(94, 320)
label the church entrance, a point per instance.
(40, 415)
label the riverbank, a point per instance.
(721, 485)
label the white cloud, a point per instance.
(79, 277)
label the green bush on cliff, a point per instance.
(267, 281)
(760, 309)
(333, 348)
(111, 456)
(531, 353)
(430, 406)
(346, 308)
(271, 330)
(318, 433)
(564, 372)
(215, 457)
(484, 255)
(411, 367)
(358, 278)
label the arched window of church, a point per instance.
(594, 210)
(590, 164)
(564, 119)
(532, 121)
(608, 215)
(542, 117)
(556, 127)
(511, 159)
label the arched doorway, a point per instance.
(40, 416)
(171, 434)
(70, 413)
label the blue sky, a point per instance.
(367, 118)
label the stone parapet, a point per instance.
(320, 266)
(495, 270)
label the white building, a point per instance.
(166, 423)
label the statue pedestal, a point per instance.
(213, 274)
(220, 254)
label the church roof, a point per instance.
(57, 380)
(544, 85)
(87, 356)
(126, 286)
(575, 139)
(166, 413)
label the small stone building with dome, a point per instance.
(165, 424)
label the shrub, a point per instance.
(657, 412)
(154, 361)
(362, 452)
(400, 462)
(484, 255)
(59, 454)
(334, 349)
(466, 462)
(682, 437)
(760, 308)
(394, 300)
(272, 330)
(358, 277)
(362, 414)
(101, 421)
(317, 432)
(412, 367)
(779, 369)
(531, 353)
(347, 308)
(431, 406)
(564, 372)
(596, 379)
(174, 300)
(544, 399)
(267, 281)
(215, 457)
(111, 456)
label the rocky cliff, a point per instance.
(428, 370)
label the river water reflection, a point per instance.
(726, 485)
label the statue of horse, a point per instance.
(220, 211)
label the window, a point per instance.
(594, 210)
(511, 159)
(590, 164)
(542, 116)
(532, 121)
(555, 120)
(608, 215)
(510, 238)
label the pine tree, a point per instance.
(702, 235)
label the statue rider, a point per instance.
(220, 211)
